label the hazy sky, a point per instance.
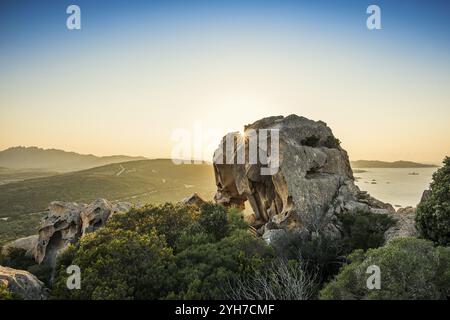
(139, 70)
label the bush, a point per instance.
(325, 256)
(168, 219)
(433, 214)
(332, 142)
(321, 255)
(117, 264)
(203, 270)
(5, 294)
(410, 269)
(213, 218)
(364, 230)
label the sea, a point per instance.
(400, 187)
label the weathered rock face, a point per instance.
(405, 225)
(67, 222)
(28, 244)
(61, 227)
(95, 215)
(313, 184)
(23, 284)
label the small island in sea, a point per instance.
(385, 164)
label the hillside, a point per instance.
(13, 175)
(384, 164)
(141, 181)
(20, 158)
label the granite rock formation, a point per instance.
(23, 284)
(405, 225)
(28, 244)
(194, 200)
(67, 222)
(314, 181)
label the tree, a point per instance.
(433, 214)
(410, 269)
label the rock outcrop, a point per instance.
(23, 284)
(194, 200)
(405, 225)
(313, 183)
(28, 244)
(67, 222)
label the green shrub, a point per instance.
(203, 270)
(321, 254)
(410, 269)
(168, 219)
(117, 264)
(325, 256)
(364, 230)
(332, 142)
(213, 218)
(433, 214)
(5, 294)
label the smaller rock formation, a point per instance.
(23, 284)
(194, 200)
(28, 244)
(67, 222)
(405, 225)
(95, 215)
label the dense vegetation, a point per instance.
(163, 252)
(410, 269)
(146, 181)
(325, 256)
(433, 214)
(182, 252)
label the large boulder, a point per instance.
(28, 244)
(67, 222)
(313, 183)
(23, 284)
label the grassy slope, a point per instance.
(11, 175)
(141, 182)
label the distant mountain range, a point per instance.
(55, 160)
(384, 164)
